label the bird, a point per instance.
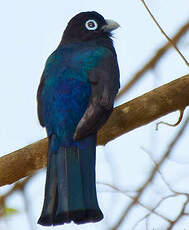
(75, 98)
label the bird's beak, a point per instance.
(110, 25)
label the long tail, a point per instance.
(70, 190)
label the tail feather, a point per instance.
(70, 192)
(50, 200)
(87, 164)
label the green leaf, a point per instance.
(10, 211)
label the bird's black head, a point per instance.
(88, 26)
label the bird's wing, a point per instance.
(39, 101)
(104, 79)
(49, 65)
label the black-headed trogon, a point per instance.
(75, 98)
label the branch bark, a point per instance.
(126, 117)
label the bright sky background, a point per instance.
(30, 31)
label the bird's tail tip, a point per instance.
(78, 217)
(45, 220)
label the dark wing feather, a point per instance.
(105, 84)
(39, 102)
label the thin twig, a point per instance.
(180, 216)
(173, 125)
(159, 171)
(126, 193)
(17, 186)
(154, 60)
(163, 32)
(28, 210)
(151, 176)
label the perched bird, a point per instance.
(75, 98)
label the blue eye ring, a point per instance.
(91, 24)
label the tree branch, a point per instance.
(126, 117)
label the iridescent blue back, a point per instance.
(66, 90)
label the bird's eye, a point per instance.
(91, 24)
